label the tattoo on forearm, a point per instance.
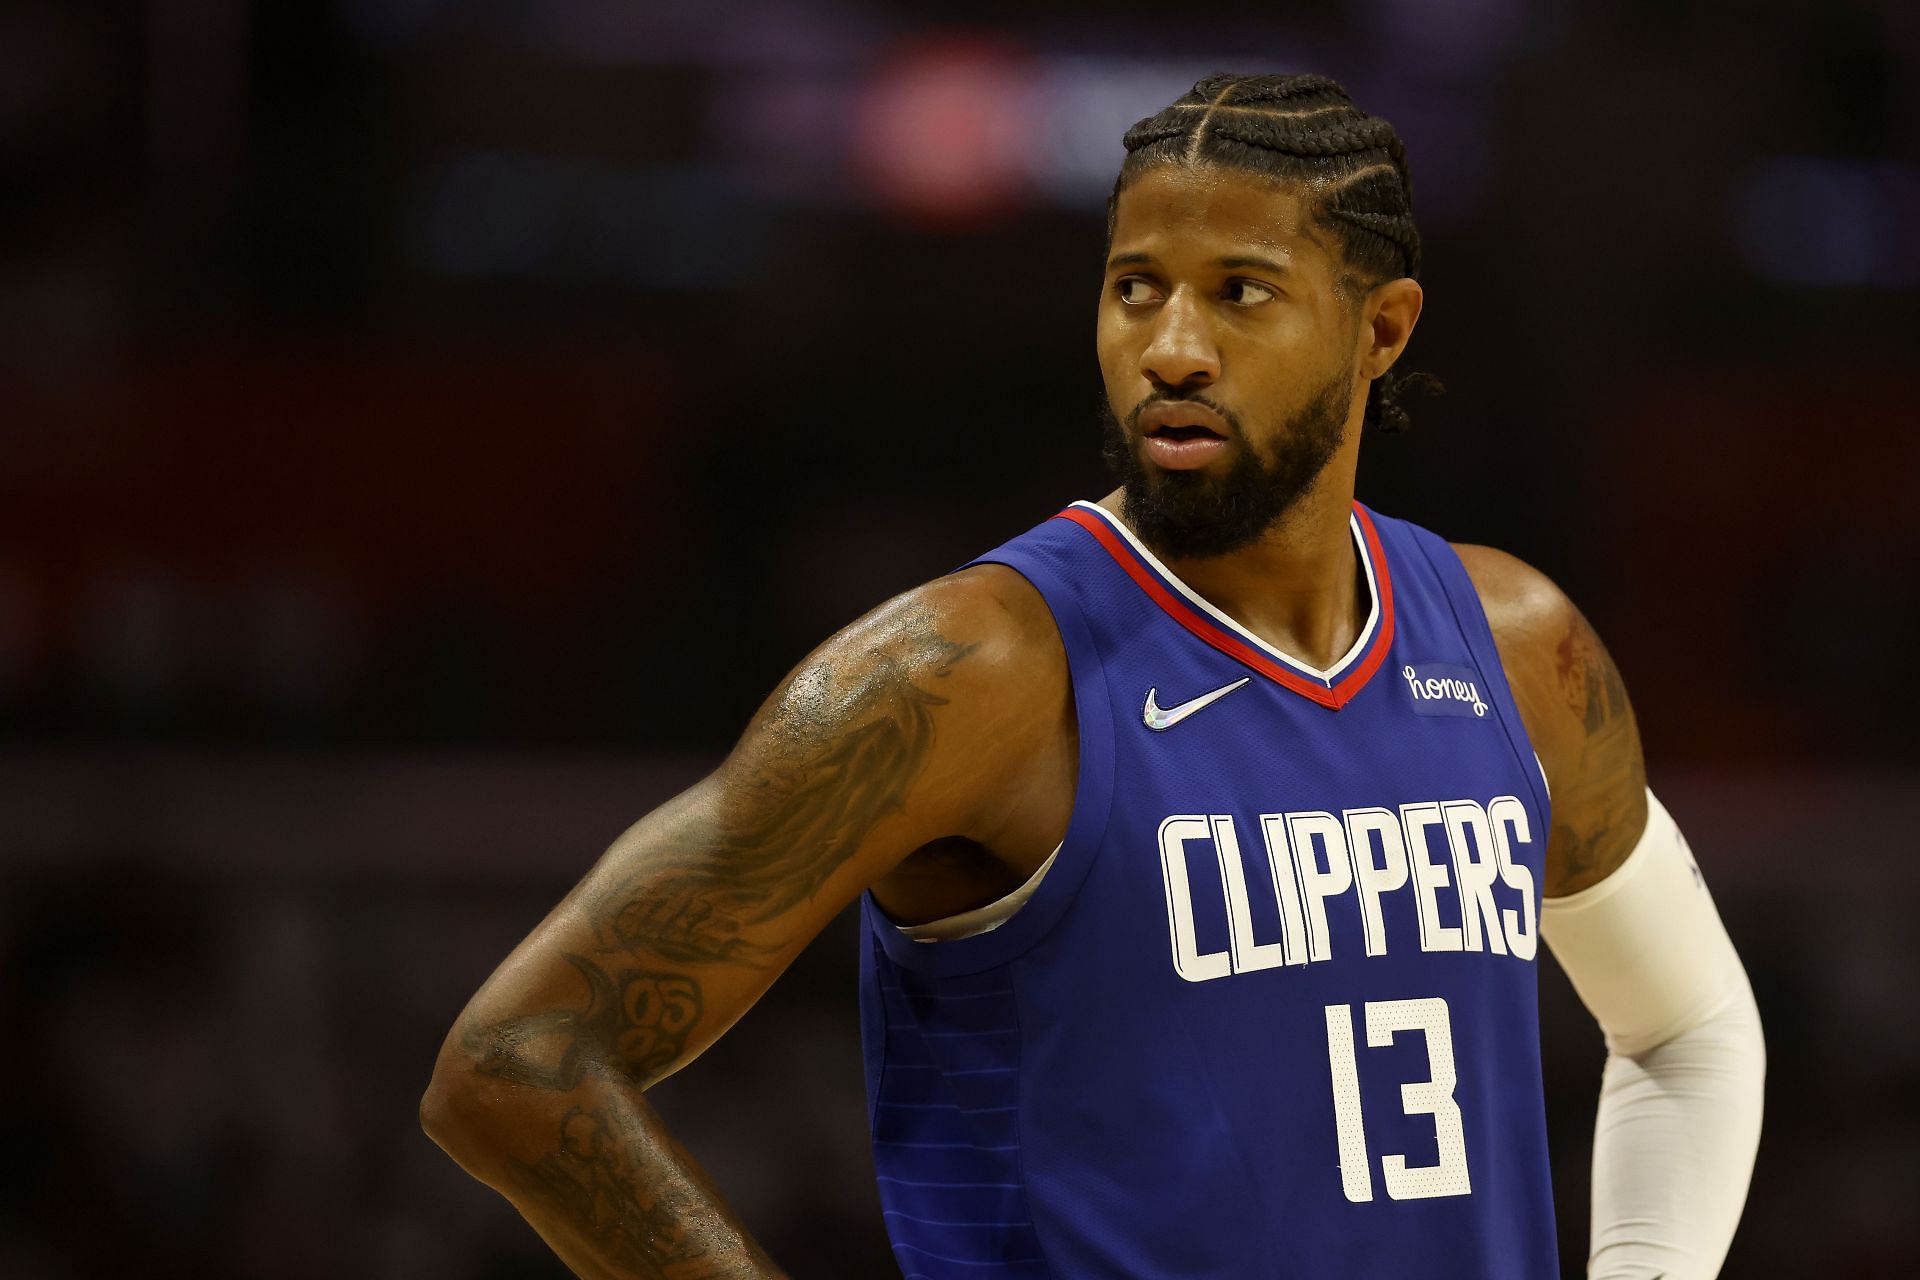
(609, 1182)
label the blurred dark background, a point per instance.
(427, 430)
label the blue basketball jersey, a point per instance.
(1271, 1011)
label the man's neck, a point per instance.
(1299, 587)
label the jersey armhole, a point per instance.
(964, 924)
(1086, 824)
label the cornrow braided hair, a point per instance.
(1302, 128)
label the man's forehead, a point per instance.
(1195, 204)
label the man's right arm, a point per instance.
(908, 726)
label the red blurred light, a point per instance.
(940, 135)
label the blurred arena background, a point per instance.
(427, 429)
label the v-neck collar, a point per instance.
(1333, 687)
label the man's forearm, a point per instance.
(1673, 1149)
(1680, 1106)
(596, 1173)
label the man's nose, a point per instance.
(1182, 349)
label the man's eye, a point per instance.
(1260, 292)
(1125, 289)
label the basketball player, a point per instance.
(1204, 838)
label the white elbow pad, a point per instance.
(1645, 947)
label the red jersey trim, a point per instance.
(1342, 690)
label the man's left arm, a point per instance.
(1628, 915)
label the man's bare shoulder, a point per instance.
(983, 631)
(1524, 606)
(1560, 672)
(961, 678)
(1006, 613)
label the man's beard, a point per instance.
(1193, 514)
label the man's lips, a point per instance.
(1181, 419)
(1181, 435)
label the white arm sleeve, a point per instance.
(1680, 1098)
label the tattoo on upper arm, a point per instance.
(1595, 812)
(836, 752)
(844, 746)
(1588, 679)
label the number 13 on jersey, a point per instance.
(1433, 1096)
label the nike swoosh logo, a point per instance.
(1159, 719)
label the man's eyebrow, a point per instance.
(1253, 260)
(1228, 262)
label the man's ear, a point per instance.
(1392, 309)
